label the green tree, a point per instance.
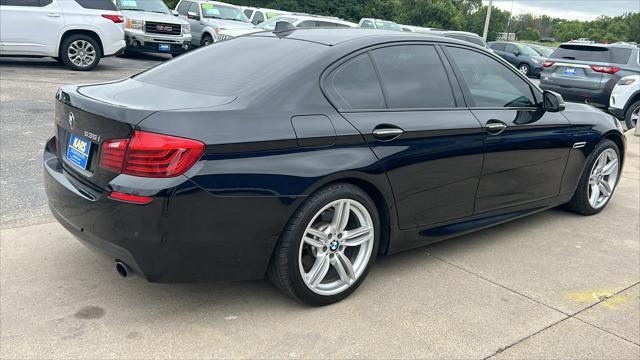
(528, 34)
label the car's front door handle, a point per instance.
(387, 133)
(495, 127)
(53, 15)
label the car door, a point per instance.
(400, 98)
(526, 148)
(30, 27)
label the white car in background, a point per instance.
(298, 20)
(151, 27)
(259, 15)
(625, 100)
(368, 23)
(209, 18)
(75, 32)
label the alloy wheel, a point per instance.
(81, 53)
(336, 247)
(603, 179)
(635, 114)
(524, 69)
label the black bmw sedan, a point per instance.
(303, 155)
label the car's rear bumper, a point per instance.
(598, 98)
(184, 235)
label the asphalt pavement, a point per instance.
(553, 285)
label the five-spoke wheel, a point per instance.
(328, 247)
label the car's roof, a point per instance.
(331, 37)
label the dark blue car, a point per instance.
(303, 155)
(523, 57)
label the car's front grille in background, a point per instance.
(162, 28)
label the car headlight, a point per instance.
(186, 29)
(134, 24)
(626, 81)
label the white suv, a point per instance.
(260, 15)
(76, 32)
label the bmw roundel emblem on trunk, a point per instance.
(71, 119)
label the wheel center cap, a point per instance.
(334, 245)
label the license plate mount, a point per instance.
(78, 151)
(164, 47)
(570, 71)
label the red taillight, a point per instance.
(112, 154)
(130, 198)
(548, 63)
(150, 155)
(115, 18)
(605, 69)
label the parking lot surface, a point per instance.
(554, 285)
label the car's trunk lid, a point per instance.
(87, 116)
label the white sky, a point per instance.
(569, 9)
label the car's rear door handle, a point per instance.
(495, 127)
(387, 132)
(53, 15)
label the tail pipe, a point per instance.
(123, 269)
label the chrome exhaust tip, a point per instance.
(122, 269)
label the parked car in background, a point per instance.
(296, 19)
(149, 26)
(208, 18)
(524, 58)
(418, 29)
(625, 100)
(589, 72)
(462, 35)
(77, 33)
(259, 15)
(303, 156)
(368, 23)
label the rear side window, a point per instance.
(183, 9)
(307, 24)
(498, 46)
(355, 85)
(490, 83)
(325, 24)
(97, 4)
(413, 77)
(475, 40)
(593, 54)
(367, 25)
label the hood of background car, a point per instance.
(229, 24)
(240, 32)
(151, 16)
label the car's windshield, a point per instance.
(270, 24)
(387, 25)
(215, 11)
(143, 5)
(525, 50)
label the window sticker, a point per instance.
(129, 3)
(210, 10)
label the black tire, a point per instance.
(284, 268)
(627, 118)
(64, 52)
(580, 201)
(206, 40)
(522, 66)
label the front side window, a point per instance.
(355, 85)
(490, 83)
(98, 4)
(258, 18)
(194, 9)
(525, 50)
(183, 8)
(215, 11)
(413, 77)
(367, 25)
(248, 13)
(498, 46)
(270, 25)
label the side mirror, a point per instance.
(174, 13)
(552, 101)
(192, 15)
